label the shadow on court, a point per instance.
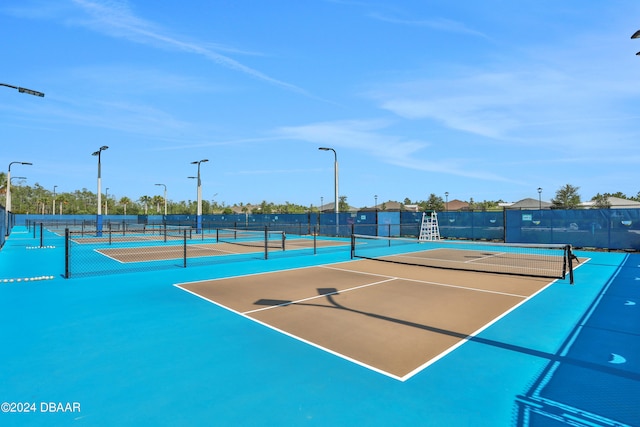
(330, 293)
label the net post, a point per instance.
(266, 242)
(184, 246)
(284, 238)
(315, 240)
(67, 253)
(41, 236)
(353, 245)
(110, 232)
(570, 261)
(165, 231)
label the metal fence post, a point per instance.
(185, 249)
(67, 253)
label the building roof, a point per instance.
(530, 203)
(456, 205)
(615, 203)
(385, 206)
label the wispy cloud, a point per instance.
(115, 18)
(370, 137)
(273, 171)
(527, 106)
(438, 24)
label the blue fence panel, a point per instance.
(3, 229)
(582, 228)
(389, 224)
(617, 229)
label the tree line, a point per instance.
(39, 200)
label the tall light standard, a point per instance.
(335, 178)
(99, 216)
(165, 198)
(53, 210)
(199, 213)
(446, 203)
(540, 198)
(24, 90)
(8, 199)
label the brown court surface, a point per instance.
(391, 318)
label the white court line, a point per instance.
(321, 296)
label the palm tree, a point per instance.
(145, 201)
(157, 200)
(124, 201)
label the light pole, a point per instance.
(99, 216)
(8, 199)
(53, 211)
(24, 90)
(165, 198)
(539, 198)
(446, 203)
(375, 198)
(199, 213)
(335, 178)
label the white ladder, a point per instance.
(429, 229)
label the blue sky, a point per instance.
(485, 100)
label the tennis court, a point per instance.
(196, 250)
(88, 253)
(392, 319)
(319, 339)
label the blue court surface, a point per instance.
(135, 350)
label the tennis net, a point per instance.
(538, 260)
(254, 238)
